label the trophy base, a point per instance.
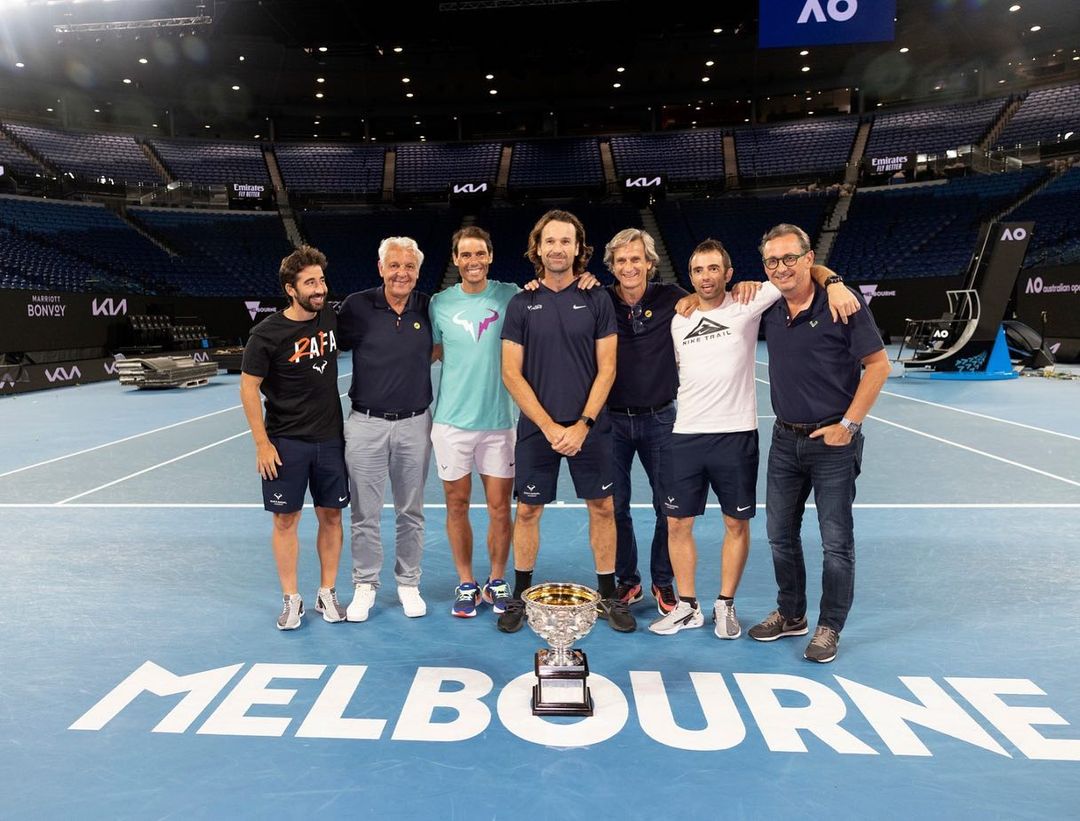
(560, 708)
(561, 690)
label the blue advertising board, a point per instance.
(824, 22)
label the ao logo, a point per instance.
(642, 182)
(941, 333)
(1014, 234)
(838, 10)
(1034, 285)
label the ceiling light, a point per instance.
(709, 63)
(1001, 82)
(314, 135)
(206, 126)
(143, 60)
(241, 58)
(398, 49)
(256, 136)
(493, 91)
(320, 79)
(48, 109)
(809, 112)
(406, 80)
(717, 31)
(236, 88)
(616, 85)
(409, 95)
(805, 68)
(904, 50)
(489, 76)
(1035, 28)
(20, 65)
(705, 79)
(318, 95)
(621, 69)
(155, 125)
(803, 53)
(97, 110)
(1014, 7)
(127, 81)
(323, 49)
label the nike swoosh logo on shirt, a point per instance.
(741, 509)
(605, 487)
(578, 307)
(342, 498)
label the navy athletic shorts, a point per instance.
(318, 465)
(536, 468)
(726, 461)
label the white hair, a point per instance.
(405, 243)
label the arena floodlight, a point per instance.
(134, 25)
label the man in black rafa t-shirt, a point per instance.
(291, 357)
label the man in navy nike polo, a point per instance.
(559, 347)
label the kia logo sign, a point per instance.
(469, 188)
(643, 182)
(63, 374)
(106, 307)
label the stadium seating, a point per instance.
(547, 164)
(431, 167)
(1056, 240)
(213, 163)
(682, 157)
(1045, 116)
(933, 129)
(76, 247)
(339, 168)
(13, 158)
(915, 231)
(808, 149)
(221, 253)
(739, 223)
(116, 157)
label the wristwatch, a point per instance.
(852, 427)
(834, 279)
(588, 420)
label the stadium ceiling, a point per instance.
(410, 70)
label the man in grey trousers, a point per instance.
(388, 431)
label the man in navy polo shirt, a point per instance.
(388, 430)
(558, 363)
(641, 403)
(820, 402)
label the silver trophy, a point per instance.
(561, 613)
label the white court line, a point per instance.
(129, 438)
(964, 447)
(553, 506)
(154, 467)
(968, 412)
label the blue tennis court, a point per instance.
(143, 677)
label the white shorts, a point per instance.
(457, 451)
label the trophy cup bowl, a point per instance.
(561, 614)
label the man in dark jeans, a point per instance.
(820, 399)
(641, 403)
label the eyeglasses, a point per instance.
(635, 314)
(787, 259)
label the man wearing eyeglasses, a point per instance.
(641, 403)
(824, 378)
(715, 440)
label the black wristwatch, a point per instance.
(834, 279)
(588, 420)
